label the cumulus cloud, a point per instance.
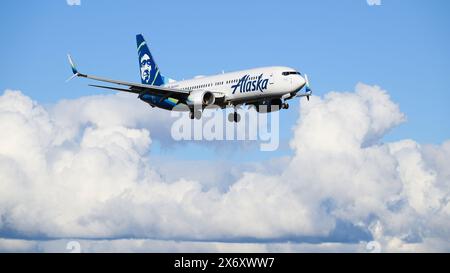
(81, 169)
(391, 189)
(149, 245)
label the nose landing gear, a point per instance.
(285, 105)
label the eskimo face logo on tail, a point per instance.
(146, 68)
(246, 85)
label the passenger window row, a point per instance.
(215, 84)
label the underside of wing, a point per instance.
(139, 88)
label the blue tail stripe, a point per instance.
(149, 71)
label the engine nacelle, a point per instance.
(268, 106)
(200, 98)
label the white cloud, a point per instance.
(81, 169)
(149, 245)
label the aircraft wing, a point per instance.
(136, 88)
(139, 88)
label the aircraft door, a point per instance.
(271, 86)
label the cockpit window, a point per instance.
(287, 73)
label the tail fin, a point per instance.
(149, 71)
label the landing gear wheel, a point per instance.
(285, 105)
(236, 117)
(231, 117)
(198, 114)
(195, 114)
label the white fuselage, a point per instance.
(247, 85)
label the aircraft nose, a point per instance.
(299, 82)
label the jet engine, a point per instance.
(200, 98)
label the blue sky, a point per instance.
(401, 46)
(106, 167)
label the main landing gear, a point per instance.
(234, 117)
(197, 114)
(285, 105)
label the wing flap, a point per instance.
(114, 88)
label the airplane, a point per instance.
(267, 89)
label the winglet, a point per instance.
(74, 69)
(72, 64)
